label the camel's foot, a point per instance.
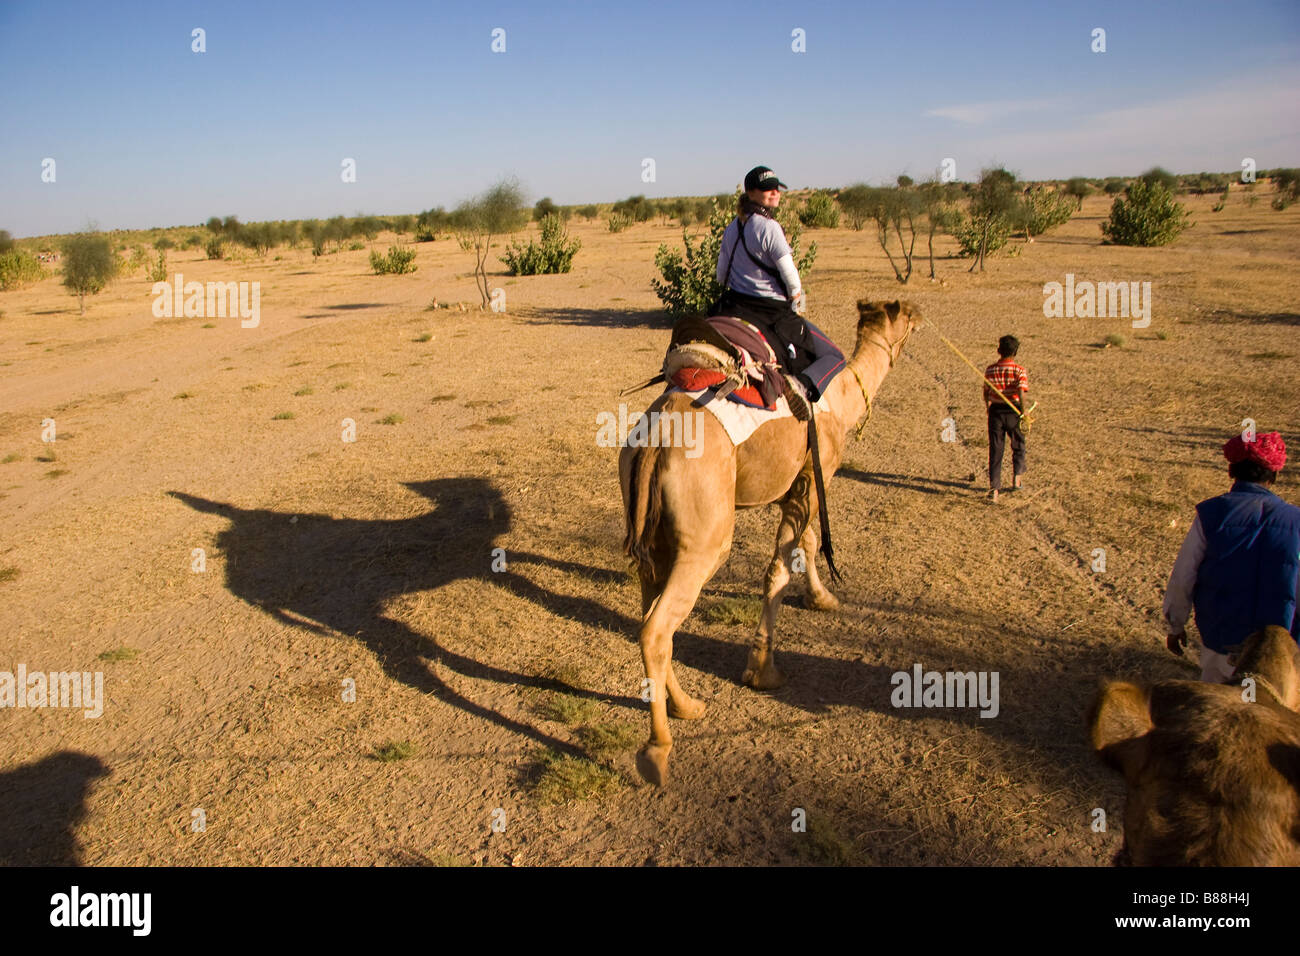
(688, 708)
(761, 672)
(652, 763)
(825, 601)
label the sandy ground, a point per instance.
(372, 561)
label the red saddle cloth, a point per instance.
(758, 355)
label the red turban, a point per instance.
(1269, 450)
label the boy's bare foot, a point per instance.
(1018, 484)
(993, 496)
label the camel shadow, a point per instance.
(336, 575)
(601, 318)
(930, 486)
(43, 803)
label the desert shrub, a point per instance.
(18, 268)
(136, 260)
(163, 243)
(967, 233)
(554, 253)
(618, 221)
(89, 264)
(215, 248)
(1147, 215)
(260, 237)
(1114, 186)
(158, 271)
(637, 208)
(1043, 209)
(1078, 189)
(397, 261)
(544, 207)
(6, 240)
(1201, 183)
(1223, 201)
(1163, 177)
(356, 246)
(403, 224)
(192, 241)
(689, 282)
(1287, 184)
(820, 211)
(588, 212)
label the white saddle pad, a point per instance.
(740, 421)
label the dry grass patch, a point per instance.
(735, 610)
(607, 739)
(393, 750)
(119, 654)
(558, 778)
(8, 574)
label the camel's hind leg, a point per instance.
(669, 610)
(680, 704)
(761, 672)
(818, 598)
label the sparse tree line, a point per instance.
(980, 216)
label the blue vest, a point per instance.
(1247, 579)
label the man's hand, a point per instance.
(1176, 643)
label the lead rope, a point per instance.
(1025, 417)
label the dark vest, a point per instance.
(1247, 579)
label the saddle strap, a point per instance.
(822, 515)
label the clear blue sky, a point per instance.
(147, 133)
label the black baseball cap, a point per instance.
(760, 177)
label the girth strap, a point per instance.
(823, 516)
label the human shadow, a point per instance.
(930, 486)
(43, 804)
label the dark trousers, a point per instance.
(800, 347)
(1004, 422)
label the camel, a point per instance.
(1212, 771)
(680, 514)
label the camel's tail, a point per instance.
(644, 506)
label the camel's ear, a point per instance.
(893, 308)
(1272, 653)
(1119, 717)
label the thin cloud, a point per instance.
(976, 114)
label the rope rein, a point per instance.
(1026, 419)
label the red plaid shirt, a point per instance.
(1010, 379)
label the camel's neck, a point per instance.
(871, 361)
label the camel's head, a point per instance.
(894, 321)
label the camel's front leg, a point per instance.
(761, 672)
(818, 598)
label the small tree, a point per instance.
(477, 221)
(820, 211)
(1287, 184)
(1114, 186)
(938, 202)
(6, 240)
(992, 203)
(855, 202)
(1078, 189)
(1147, 215)
(892, 209)
(1163, 177)
(543, 208)
(88, 264)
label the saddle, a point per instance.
(725, 353)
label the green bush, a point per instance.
(1043, 209)
(1287, 184)
(554, 253)
(618, 221)
(89, 264)
(397, 261)
(18, 268)
(857, 203)
(215, 248)
(637, 208)
(967, 233)
(163, 243)
(820, 211)
(6, 241)
(588, 212)
(191, 241)
(1147, 215)
(1114, 186)
(1156, 175)
(544, 207)
(158, 271)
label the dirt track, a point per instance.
(372, 560)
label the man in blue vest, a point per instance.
(1239, 566)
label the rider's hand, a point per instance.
(800, 303)
(1176, 643)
